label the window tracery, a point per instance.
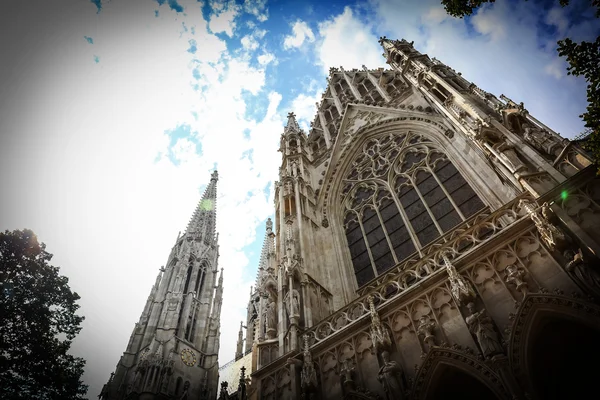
(400, 194)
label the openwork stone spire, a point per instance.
(205, 216)
(461, 289)
(268, 250)
(379, 334)
(292, 124)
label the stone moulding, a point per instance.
(410, 274)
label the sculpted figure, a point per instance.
(579, 268)
(541, 140)
(390, 376)
(270, 317)
(294, 303)
(425, 329)
(481, 325)
(509, 155)
(514, 277)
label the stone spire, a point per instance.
(239, 353)
(292, 124)
(267, 252)
(203, 220)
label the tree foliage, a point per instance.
(38, 321)
(583, 59)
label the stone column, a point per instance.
(299, 215)
(381, 91)
(306, 304)
(326, 133)
(281, 323)
(336, 100)
(294, 318)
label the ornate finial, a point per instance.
(382, 39)
(549, 233)
(214, 176)
(379, 334)
(269, 224)
(292, 124)
(306, 345)
(461, 289)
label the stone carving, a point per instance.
(223, 394)
(514, 276)
(308, 374)
(186, 388)
(346, 371)
(379, 335)
(391, 377)
(541, 140)
(584, 274)
(549, 233)
(509, 156)
(461, 289)
(293, 303)
(425, 329)
(270, 317)
(481, 325)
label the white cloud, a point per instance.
(251, 42)
(489, 23)
(301, 33)
(556, 68)
(341, 32)
(258, 8)
(99, 198)
(522, 63)
(223, 18)
(266, 58)
(304, 105)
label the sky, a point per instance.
(114, 113)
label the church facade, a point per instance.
(430, 241)
(173, 349)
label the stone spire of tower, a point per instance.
(204, 218)
(239, 353)
(292, 124)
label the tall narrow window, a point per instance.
(401, 194)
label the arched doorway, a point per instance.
(453, 383)
(562, 357)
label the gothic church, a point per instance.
(430, 241)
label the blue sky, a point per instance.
(114, 113)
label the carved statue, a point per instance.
(425, 329)
(481, 325)
(293, 303)
(509, 156)
(308, 374)
(270, 317)
(540, 139)
(391, 377)
(346, 370)
(514, 276)
(549, 233)
(579, 268)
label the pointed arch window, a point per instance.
(401, 193)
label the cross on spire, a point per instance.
(292, 124)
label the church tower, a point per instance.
(172, 351)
